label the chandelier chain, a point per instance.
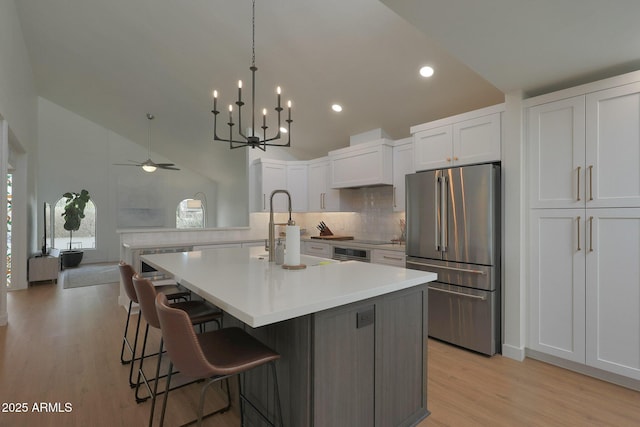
(253, 34)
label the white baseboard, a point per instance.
(512, 352)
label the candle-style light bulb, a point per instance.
(264, 117)
(230, 111)
(289, 105)
(215, 99)
(239, 90)
(278, 92)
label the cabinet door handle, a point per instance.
(455, 158)
(590, 234)
(590, 182)
(321, 200)
(264, 201)
(578, 185)
(448, 159)
(395, 205)
(579, 234)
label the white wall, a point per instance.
(18, 116)
(75, 154)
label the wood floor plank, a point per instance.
(62, 345)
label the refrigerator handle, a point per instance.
(443, 213)
(437, 212)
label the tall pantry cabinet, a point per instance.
(584, 224)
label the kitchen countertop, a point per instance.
(243, 283)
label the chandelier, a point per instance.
(249, 138)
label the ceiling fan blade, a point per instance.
(169, 168)
(165, 164)
(127, 164)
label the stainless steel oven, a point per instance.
(348, 254)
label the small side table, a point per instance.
(43, 268)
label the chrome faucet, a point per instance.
(272, 243)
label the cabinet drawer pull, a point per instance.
(317, 248)
(590, 234)
(590, 182)
(579, 234)
(392, 257)
(578, 185)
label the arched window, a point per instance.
(190, 214)
(84, 238)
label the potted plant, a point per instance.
(73, 215)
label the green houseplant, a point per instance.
(73, 215)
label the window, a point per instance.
(84, 238)
(190, 214)
(9, 220)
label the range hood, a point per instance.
(363, 164)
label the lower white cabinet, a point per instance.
(612, 247)
(557, 283)
(395, 258)
(323, 250)
(43, 268)
(585, 286)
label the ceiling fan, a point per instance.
(149, 165)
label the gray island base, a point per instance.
(362, 364)
(352, 335)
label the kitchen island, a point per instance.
(353, 336)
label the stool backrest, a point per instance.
(181, 341)
(146, 299)
(126, 274)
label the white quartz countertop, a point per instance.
(243, 283)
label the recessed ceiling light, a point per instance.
(336, 107)
(426, 71)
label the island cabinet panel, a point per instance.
(401, 358)
(344, 369)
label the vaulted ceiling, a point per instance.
(113, 61)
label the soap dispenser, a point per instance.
(279, 252)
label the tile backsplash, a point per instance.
(372, 217)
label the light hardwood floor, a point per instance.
(62, 345)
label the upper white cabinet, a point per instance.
(369, 163)
(321, 196)
(584, 151)
(556, 140)
(297, 181)
(402, 165)
(269, 175)
(473, 137)
(612, 171)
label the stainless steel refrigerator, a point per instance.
(453, 229)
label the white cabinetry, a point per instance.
(613, 290)
(43, 268)
(395, 258)
(557, 275)
(269, 175)
(321, 196)
(369, 163)
(585, 150)
(323, 250)
(402, 165)
(584, 229)
(297, 181)
(468, 138)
